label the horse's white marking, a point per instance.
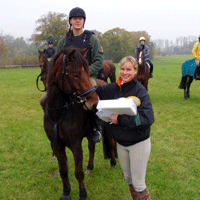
(140, 58)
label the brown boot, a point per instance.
(144, 195)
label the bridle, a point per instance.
(78, 97)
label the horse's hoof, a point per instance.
(88, 172)
(65, 198)
(113, 163)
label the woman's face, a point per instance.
(127, 71)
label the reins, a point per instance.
(40, 75)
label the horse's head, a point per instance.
(43, 63)
(71, 74)
(140, 56)
(42, 58)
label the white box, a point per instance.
(117, 106)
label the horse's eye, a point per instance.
(75, 75)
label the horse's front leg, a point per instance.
(62, 161)
(91, 147)
(78, 158)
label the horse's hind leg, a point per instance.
(62, 161)
(78, 158)
(189, 81)
(91, 147)
(109, 145)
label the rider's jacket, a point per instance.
(196, 51)
(87, 38)
(146, 52)
(81, 42)
(50, 52)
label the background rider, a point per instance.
(143, 46)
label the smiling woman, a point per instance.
(132, 132)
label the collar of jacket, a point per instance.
(122, 85)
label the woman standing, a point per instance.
(132, 133)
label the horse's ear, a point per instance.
(84, 51)
(71, 55)
(38, 50)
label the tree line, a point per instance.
(182, 45)
(116, 42)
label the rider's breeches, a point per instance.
(93, 81)
(42, 100)
(197, 62)
(133, 161)
(151, 66)
(49, 59)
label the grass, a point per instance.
(27, 170)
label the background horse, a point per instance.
(188, 69)
(143, 69)
(66, 122)
(43, 63)
(108, 71)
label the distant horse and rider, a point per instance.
(189, 68)
(143, 74)
(67, 119)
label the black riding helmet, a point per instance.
(77, 12)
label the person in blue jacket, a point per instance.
(143, 46)
(132, 133)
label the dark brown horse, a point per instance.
(143, 69)
(43, 63)
(109, 144)
(108, 71)
(66, 121)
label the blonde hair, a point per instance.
(130, 59)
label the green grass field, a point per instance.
(27, 170)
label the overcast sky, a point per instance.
(160, 19)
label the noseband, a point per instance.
(78, 97)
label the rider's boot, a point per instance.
(97, 133)
(144, 195)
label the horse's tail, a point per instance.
(109, 145)
(112, 71)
